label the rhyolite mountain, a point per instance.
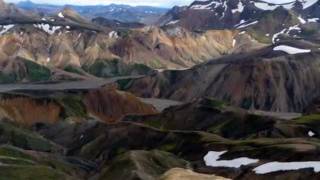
(66, 40)
(265, 79)
(207, 93)
(208, 14)
(263, 20)
(67, 46)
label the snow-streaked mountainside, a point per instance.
(239, 6)
(208, 14)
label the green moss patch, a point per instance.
(112, 68)
(37, 72)
(30, 173)
(309, 119)
(23, 138)
(72, 106)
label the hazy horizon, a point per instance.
(156, 3)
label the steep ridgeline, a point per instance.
(60, 46)
(264, 20)
(229, 13)
(67, 39)
(278, 78)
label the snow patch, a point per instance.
(243, 25)
(205, 5)
(212, 159)
(296, 27)
(286, 166)
(173, 22)
(275, 36)
(61, 15)
(269, 5)
(113, 34)
(302, 21)
(234, 42)
(239, 8)
(311, 134)
(47, 28)
(313, 19)
(6, 28)
(265, 6)
(291, 50)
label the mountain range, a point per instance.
(124, 13)
(219, 89)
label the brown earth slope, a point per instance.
(110, 105)
(105, 104)
(263, 79)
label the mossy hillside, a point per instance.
(112, 68)
(61, 164)
(36, 72)
(23, 138)
(31, 173)
(312, 122)
(13, 156)
(7, 78)
(72, 105)
(15, 161)
(213, 103)
(313, 119)
(93, 149)
(124, 84)
(248, 126)
(209, 115)
(281, 149)
(74, 70)
(11, 151)
(33, 72)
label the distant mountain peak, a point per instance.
(70, 13)
(2, 4)
(220, 14)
